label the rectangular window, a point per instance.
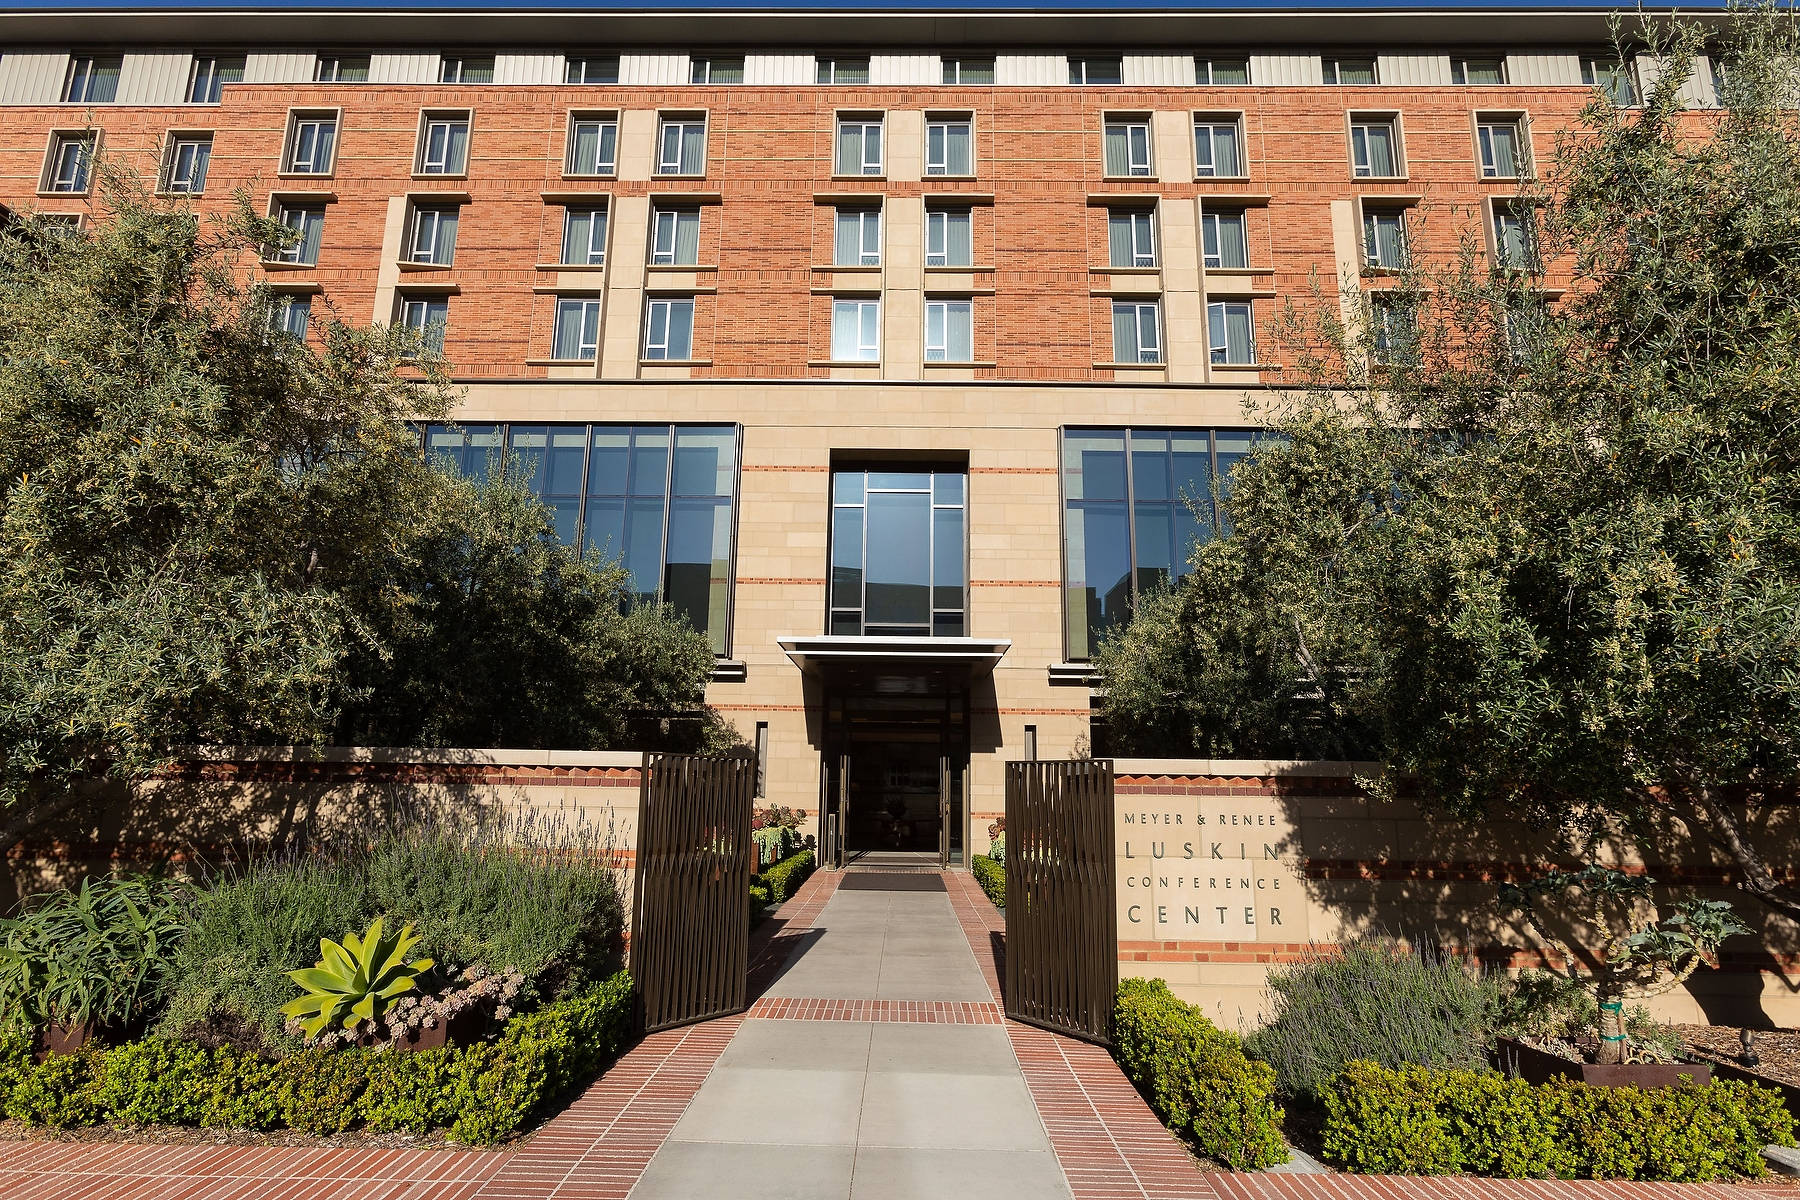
(1478, 72)
(70, 163)
(857, 238)
(1217, 148)
(1137, 331)
(1384, 238)
(669, 329)
(341, 68)
(1349, 72)
(311, 143)
(593, 69)
(858, 146)
(716, 70)
(1222, 72)
(184, 171)
(443, 144)
(292, 315)
(584, 237)
(949, 146)
(681, 146)
(1716, 71)
(968, 72)
(577, 330)
(210, 74)
(949, 331)
(426, 316)
(1525, 321)
(593, 145)
(307, 223)
(433, 240)
(1612, 77)
(1231, 335)
(1104, 70)
(1130, 237)
(1127, 149)
(1502, 148)
(1394, 330)
(856, 331)
(1225, 240)
(949, 237)
(1515, 247)
(675, 237)
(898, 553)
(1374, 148)
(92, 79)
(843, 70)
(466, 68)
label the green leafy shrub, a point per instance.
(411, 1093)
(783, 879)
(319, 1089)
(991, 875)
(1420, 1121)
(244, 1092)
(154, 1082)
(97, 954)
(1374, 999)
(58, 1092)
(15, 1058)
(1539, 1004)
(1196, 1077)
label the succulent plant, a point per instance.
(355, 982)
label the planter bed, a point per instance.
(1540, 1066)
(1778, 1052)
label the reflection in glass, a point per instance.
(898, 549)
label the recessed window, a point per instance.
(311, 143)
(466, 68)
(856, 240)
(1716, 71)
(291, 315)
(592, 69)
(716, 70)
(1526, 319)
(949, 146)
(1127, 148)
(1393, 329)
(898, 553)
(1349, 72)
(856, 331)
(70, 163)
(949, 237)
(1384, 238)
(426, 316)
(858, 146)
(1478, 72)
(675, 237)
(1103, 70)
(593, 144)
(184, 167)
(577, 334)
(209, 75)
(1515, 248)
(1612, 77)
(1231, 337)
(1225, 240)
(1218, 147)
(432, 240)
(1131, 237)
(307, 224)
(584, 236)
(1374, 148)
(1137, 331)
(681, 146)
(1222, 72)
(1501, 145)
(92, 79)
(443, 143)
(968, 72)
(841, 70)
(949, 331)
(669, 329)
(341, 68)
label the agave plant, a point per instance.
(355, 982)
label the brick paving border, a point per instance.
(879, 1012)
(122, 1171)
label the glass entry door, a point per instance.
(894, 772)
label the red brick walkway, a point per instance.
(89, 1171)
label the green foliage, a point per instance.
(412, 1092)
(154, 1082)
(1429, 1122)
(1197, 1078)
(60, 1092)
(244, 1092)
(356, 981)
(781, 880)
(97, 954)
(1540, 1004)
(318, 1089)
(1377, 999)
(991, 875)
(16, 1043)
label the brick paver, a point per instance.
(905, 1012)
(91, 1171)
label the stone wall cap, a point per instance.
(1246, 767)
(436, 756)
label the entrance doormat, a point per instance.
(889, 881)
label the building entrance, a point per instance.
(895, 770)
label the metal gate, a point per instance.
(1062, 949)
(690, 912)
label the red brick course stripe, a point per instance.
(880, 1012)
(59, 1170)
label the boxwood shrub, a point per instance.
(1197, 1078)
(1419, 1121)
(991, 875)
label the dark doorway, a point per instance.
(896, 761)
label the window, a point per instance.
(656, 498)
(443, 144)
(1096, 70)
(716, 70)
(1230, 334)
(584, 237)
(1216, 147)
(1478, 72)
(1501, 144)
(342, 68)
(1137, 332)
(1225, 240)
(1374, 146)
(307, 223)
(1393, 330)
(1716, 71)
(210, 74)
(949, 146)
(857, 238)
(433, 239)
(1515, 247)
(675, 237)
(843, 70)
(949, 331)
(949, 240)
(1130, 237)
(856, 331)
(70, 163)
(1349, 72)
(1384, 238)
(426, 316)
(466, 68)
(1612, 77)
(1525, 327)
(184, 170)
(92, 79)
(681, 146)
(966, 72)
(291, 315)
(577, 334)
(669, 329)
(1221, 72)
(1127, 148)
(899, 553)
(858, 146)
(312, 140)
(600, 69)
(593, 145)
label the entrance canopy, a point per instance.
(848, 659)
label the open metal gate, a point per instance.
(690, 912)
(1062, 949)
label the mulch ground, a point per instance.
(172, 1135)
(1778, 1050)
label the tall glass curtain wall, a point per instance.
(657, 497)
(1135, 503)
(899, 554)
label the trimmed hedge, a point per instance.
(991, 875)
(777, 884)
(1419, 1121)
(479, 1093)
(1197, 1077)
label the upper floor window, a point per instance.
(898, 553)
(856, 331)
(857, 238)
(1127, 148)
(92, 79)
(949, 146)
(184, 166)
(307, 224)
(1515, 248)
(949, 331)
(843, 70)
(433, 235)
(1394, 329)
(1350, 72)
(584, 236)
(341, 68)
(1478, 72)
(949, 237)
(729, 69)
(681, 146)
(1221, 72)
(209, 75)
(466, 68)
(1097, 70)
(1611, 76)
(592, 69)
(576, 336)
(1131, 237)
(1137, 331)
(669, 328)
(1224, 240)
(443, 143)
(70, 163)
(593, 144)
(311, 143)
(291, 315)
(968, 71)
(1218, 145)
(1230, 333)
(1384, 238)
(675, 237)
(1716, 72)
(427, 316)
(1374, 147)
(858, 146)
(1501, 144)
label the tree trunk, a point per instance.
(1612, 1025)
(1722, 829)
